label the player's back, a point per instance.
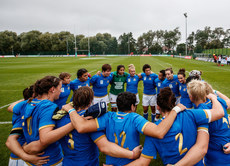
(123, 129)
(179, 139)
(79, 149)
(219, 135)
(38, 115)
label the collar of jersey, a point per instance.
(121, 113)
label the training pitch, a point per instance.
(19, 73)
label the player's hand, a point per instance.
(211, 96)
(181, 106)
(98, 73)
(226, 148)
(36, 159)
(67, 107)
(137, 152)
(107, 165)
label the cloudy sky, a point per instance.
(112, 16)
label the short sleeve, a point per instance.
(45, 117)
(140, 123)
(17, 108)
(149, 150)
(96, 136)
(102, 121)
(201, 116)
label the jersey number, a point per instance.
(71, 141)
(180, 136)
(123, 135)
(29, 128)
(225, 121)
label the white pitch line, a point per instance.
(5, 105)
(8, 122)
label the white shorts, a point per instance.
(137, 99)
(112, 98)
(149, 100)
(16, 162)
(100, 99)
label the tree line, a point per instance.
(155, 42)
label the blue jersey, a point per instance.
(17, 124)
(173, 84)
(185, 100)
(219, 135)
(65, 91)
(79, 149)
(122, 129)
(38, 115)
(158, 83)
(179, 139)
(100, 84)
(132, 84)
(149, 84)
(75, 84)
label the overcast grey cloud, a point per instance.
(113, 16)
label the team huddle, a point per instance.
(194, 128)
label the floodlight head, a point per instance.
(185, 14)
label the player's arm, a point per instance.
(217, 110)
(159, 131)
(115, 150)
(139, 75)
(198, 150)
(222, 96)
(142, 161)
(48, 135)
(14, 146)
(34, 147)
(10, 108)
(80, 124)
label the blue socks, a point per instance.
(153, 117)
(145, 115)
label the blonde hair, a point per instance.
(209, 88)
(197, 89)
(131, 66)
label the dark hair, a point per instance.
(169, 69)
(166, 99)
(163, 72)
(181, 72)
(43, 85)
(125, 100)
(146, 66)
(28, 92)
(80, 72)
(119, 67)
(190, 78)
(63, 75)
(82, 97)
(106, 67)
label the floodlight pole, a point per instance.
(186, 42)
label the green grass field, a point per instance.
(18, 73)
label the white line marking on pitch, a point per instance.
(8, 122)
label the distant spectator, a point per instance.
(228, 60)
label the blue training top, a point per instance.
(17, 124)
(185, 100)
(122, 129)
(100, 84)
(173, 84)
(179, 139)
(219, 135)
(149, 84)
(65, 91)
(79, 149)
(38, 115)
(132, 84)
